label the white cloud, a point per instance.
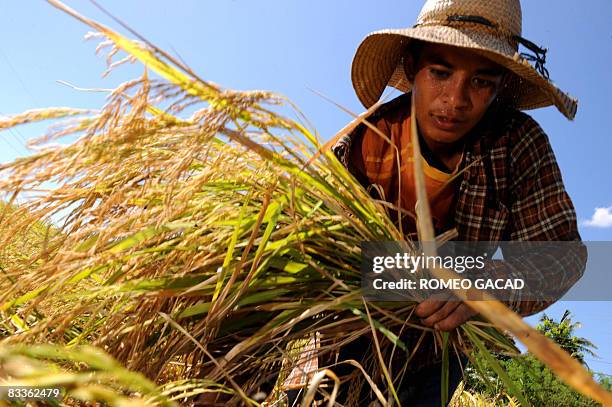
(602, 218)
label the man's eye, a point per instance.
(482, 83)
(438, 73)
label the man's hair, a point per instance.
(414, 49)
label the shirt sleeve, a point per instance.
(540, 210)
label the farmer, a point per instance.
(462, 64)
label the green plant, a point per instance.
(534, 379)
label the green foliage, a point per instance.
(562, 333)
(541, 386)
(605, 381)
(536, 381)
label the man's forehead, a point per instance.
(458, 57)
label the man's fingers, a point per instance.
(432, 304)
(443, 312)
(428, 307)
(461, 314)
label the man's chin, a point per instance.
(447, 139)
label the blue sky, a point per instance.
(291, 46)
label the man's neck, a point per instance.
(444, 157)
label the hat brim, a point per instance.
(378, 63)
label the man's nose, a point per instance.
(458, 95)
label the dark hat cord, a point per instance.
(538, 58)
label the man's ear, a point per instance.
(409, 68)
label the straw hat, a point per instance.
(489, 27)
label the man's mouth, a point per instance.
(448, 123)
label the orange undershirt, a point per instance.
(377, 160)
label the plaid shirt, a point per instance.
(511, 190)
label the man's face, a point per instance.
(453, 88)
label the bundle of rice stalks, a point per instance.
(203, 236)
(75, 375)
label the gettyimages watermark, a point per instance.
(523, 271)
(418, 262)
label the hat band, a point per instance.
(539, 53)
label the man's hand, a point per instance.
(443, 315)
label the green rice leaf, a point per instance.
(512, 389)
